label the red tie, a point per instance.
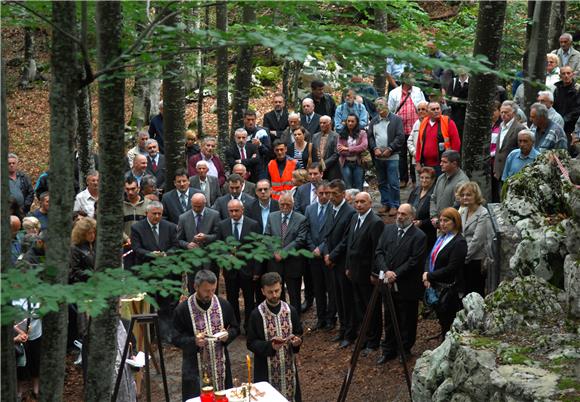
(242, 153)
(154, 164)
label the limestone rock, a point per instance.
(572, 284)
(526, 383)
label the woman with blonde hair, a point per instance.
(83, 238)
(299, 177)
(477, 230)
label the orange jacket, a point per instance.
(284, 182)
(444, 121)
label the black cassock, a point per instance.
(263, 349)
(184, 338)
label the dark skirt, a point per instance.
(32, 368)
(474, 279)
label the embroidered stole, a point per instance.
(281, 368)
(212, 357)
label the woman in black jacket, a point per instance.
(444, 268)
(420, 198)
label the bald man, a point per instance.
(247, 186)
(400, 254)
(308, 118)
(365, 230)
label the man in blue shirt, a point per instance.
(524, 155)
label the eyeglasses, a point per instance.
(262, 190)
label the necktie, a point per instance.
(284, 228)
(242, 153)
(154, 164)
(321, 216)
(401, 233)
(313, 197)
(197, 222)
(155, 234)
(278, 116)
(308, 119)
(358, 224)
(183, 201)
(236, 231)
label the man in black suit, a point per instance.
(197, 228)
(152, 238)
(209, 185)
(290, 227)
(235, 186)
(334, 251)
(247, 186)
(325, 141)
(156, 163)
(263, 205)
(365, 230)
(400, 255)
(309, 119)
(246, 153)
(178, 200)
(247, 278)
(316, 218)
(276, 121)
(324, 105)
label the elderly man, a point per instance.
(204, 342)
(139, 148)
(207, 184)
(214, 163)
(548, 134)
(567, 54)
(349, 106)
(386, 138)
(444, 191)
(235, 192)
(247, 186)
(243, 152)
(156, 127)
(422, 112)
(156, 163)
(325, 141)
(86, 199)
(290, 227)
(287, 135)
(280, 170)
(524, 155)
(437, 133)
(546, 98)
(139, 168)
(276, 120)
(567, 98)
(20, 184)
(309, 119)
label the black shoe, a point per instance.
(366, 351)
(330, 326)
(306, 306)
(385, 358)
(337, 338)
(344, 344)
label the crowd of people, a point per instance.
(301, 178)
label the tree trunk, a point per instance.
(537, 49)
(29, 72)
(102, 344)
(380, 78)
(63, 126)
(8, 361)
(173, 113)
(154, 97)
(85, 127)
(531, 6)
(482, 87)
(243, 72)
(201, 81)
(222, 76)
(286, 80)
(140, 94)
(557, 24)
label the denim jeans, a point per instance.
(353, 175)
(388, 175)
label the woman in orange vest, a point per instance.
(280, 170)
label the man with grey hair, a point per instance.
(243, 152)
(214, 163)
(156, 128)
(567, 54)
(139, 149)
(207, 184)
(204, 341)
(444, 191)
(155, 163)
(293, 123)
(309, 119)
(86, 199)
(20, 184)
(546, 98)
(524, 155)
(548, 134)
(325, 141)
(350, 194)
(567, 98)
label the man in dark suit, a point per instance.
(324, 105)
(507, 141)
(235, 186)
(334, 251)
(400, 255)
(308, 118)
(316, 218)
(276, 121)
(325, 141)
(197, 228)
(178, 200)
(246, 153)
(263, 205)
(247, 186)
(152, 238)
(290, 227)
(214, 163)
(247, 278)
(208, 185)
(156, 163)
(365, 230)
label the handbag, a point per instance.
(439, 295)
(366, 160)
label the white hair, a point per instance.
(294, 115)
(241, 130)
(201, 163)
(529, 133)
(549, 94)
(567, 36)
(308, 100)
(151, 141)
(154, 205)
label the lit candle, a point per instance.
(249, 364)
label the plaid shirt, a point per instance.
(553, 137)
(408, 113)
